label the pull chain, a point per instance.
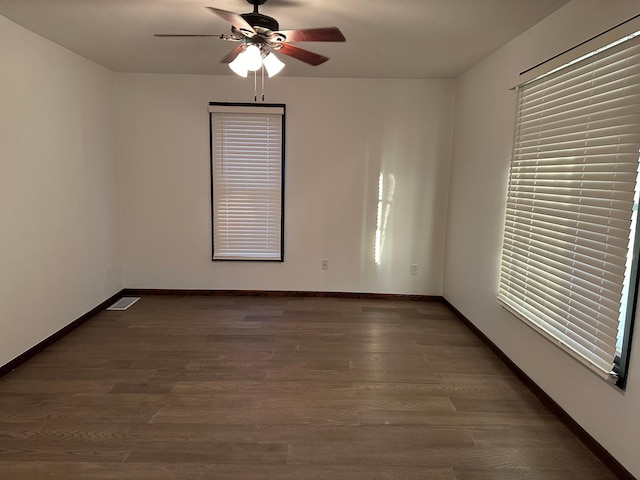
(255, 86)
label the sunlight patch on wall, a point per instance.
(385, 199)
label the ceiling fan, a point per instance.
(263, 32)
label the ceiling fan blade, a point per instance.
(186, 35)
(231, 56)
(302, 54)
(234, 19)
(327, 34)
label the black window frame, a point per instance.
(282, 179)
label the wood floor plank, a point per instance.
(349, 435)
(212, 374)
(324, 472)
(525, 436)
(142, 387)
(520, 406)
(17, 431)
(395, 417)
(262, 416)
(74, 470)
(559, 457)
(37, 451)
(30, 414)
(406, 455)
(179, 433)
(79, 433)
(76, 374)
(441, 389)
(246, 388)
(480, 364)
(204, 452)
(531, 474)
(364, 403)
(331, 364)
(333, 376)
(13, 383)
(142, 399)
(494, 458)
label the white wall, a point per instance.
(340, 134)
(58, 222)
(59, 194)
(485, 115)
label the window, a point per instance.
(569, 261)
(247, 181)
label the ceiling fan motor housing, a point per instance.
(260, 20)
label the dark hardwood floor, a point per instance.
(248, 388)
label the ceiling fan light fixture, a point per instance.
(272, 64)
(238, 66)
(252, 58)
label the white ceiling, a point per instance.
(385, 38)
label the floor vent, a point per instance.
(124, 303)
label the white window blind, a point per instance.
(571, 192)
(247, 172)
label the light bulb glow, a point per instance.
(238, 66)
(272, 64)
(252, 58)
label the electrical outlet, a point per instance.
(413, 270)
(325, 264)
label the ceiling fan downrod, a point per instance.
(256, 3)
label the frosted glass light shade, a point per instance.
(238, 66)
(252, 58)
(272, 64)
